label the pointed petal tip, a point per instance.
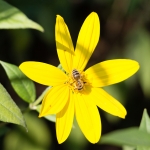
(60, 141)
(135, 64)
(40, 116)
(138, 65)
(94, 13)
(59, 17)
(88, 38)
(43, 115)
(123, 114)
(133, 61)
(88, 118)
(95, 140)
(122, 117)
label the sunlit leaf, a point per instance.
(143, 148)
(130, 136)
(23, 86)
(9, 111)
(126, 147)
(13, 18)
(145, 122)
(144, 126)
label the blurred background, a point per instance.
(125, 33)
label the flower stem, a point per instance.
(39, 99)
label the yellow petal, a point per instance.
(64, 44)
(54, 100)
(88, 117)
(106, 102)
(111, 72)
(65, 120)
(87, 40)
(43, 73)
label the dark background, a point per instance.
(125, 33)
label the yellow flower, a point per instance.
(78, 92)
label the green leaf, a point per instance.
(38, 137)
(145, 122)
(9, 111)
(126, 147)
(13, 18)
(144, 126)
(23, 86)
(143, 148)
(51, 118)
(130, 136)
(138, 48)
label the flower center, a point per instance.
(76, 80)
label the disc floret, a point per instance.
(76, 80)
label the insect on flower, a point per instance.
(78, 92)
(76, 75)
(79, 84)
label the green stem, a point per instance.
(34, 104)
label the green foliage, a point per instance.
(38, 137)
(145, 127)
(23, 86)
(125, 33)
(130, 136)
(145, 123)
(13, 18)
(138, 48)
(137, 137)
(9, 111)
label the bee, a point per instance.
(79, 85)
(77, 77)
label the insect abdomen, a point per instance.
(75, 74)
(79, 85)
